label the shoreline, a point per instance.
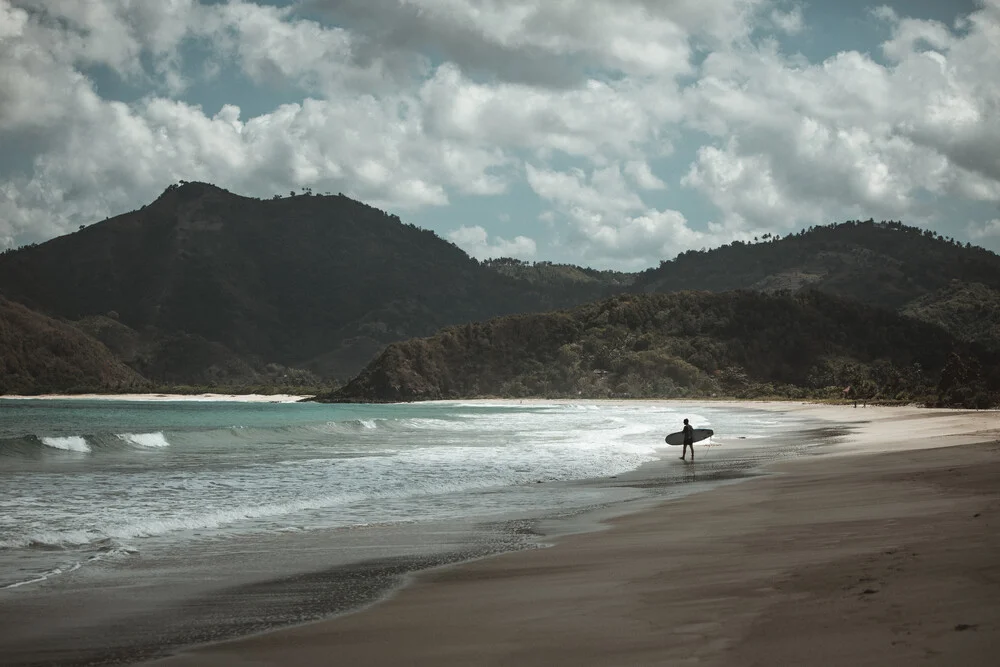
(260, 583)
(209, 397)
(764, 403)
(167, 600)
(578, 601)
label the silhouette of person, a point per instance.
(688, 441)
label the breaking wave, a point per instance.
(72, 443)
(144, 439)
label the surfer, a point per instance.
(688, 441)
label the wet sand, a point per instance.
(883, 553)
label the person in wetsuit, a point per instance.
(688, 441)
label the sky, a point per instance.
(605, 133)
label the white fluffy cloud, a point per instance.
(643, 176)
(607, 221)
(550, 43)
(802, 143)
(477, 242)
(410, 105)
(791, 22)
(989, 230)
(598, 120)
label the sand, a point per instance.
(233, 398)
(885, 553)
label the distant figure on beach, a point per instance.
(851, 392)
(688, 441)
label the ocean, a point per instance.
(183, 499)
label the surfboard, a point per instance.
(699, 434)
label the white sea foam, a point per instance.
(72, 443)
(348, 426)
(328, 467)
(145, 439)
(48, 539)
(44, 576)
(151, 526)
(442, 424)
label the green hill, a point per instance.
(205, 287)
(310, 282)
(189, 360)
(566, 276)
(970, 310)
(878, 263)
(738, 343)
(39, 354)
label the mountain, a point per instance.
(883, 264)
(970, 310)
(308, 282)
(205, 287)
(560, 276)
(738, 343)
(39, 354)
(182, 359)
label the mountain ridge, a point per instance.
(38, 354)
(310, 281)
(885, 264)
(687, 344)
(206, 287)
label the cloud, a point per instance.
(604, 191)
(597, 120)
(643, 176)
(274, 47)
(112, 33)
(988, 230)
(397, 136)
(798, 143)
(547, 44)
(476, 241)
(90, 157)
(608, 222)
(410, 105)
(790, 22)
(115, 153)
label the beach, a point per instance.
(880, 551)
(205, 398)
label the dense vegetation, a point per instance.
(187, 359)
(970, 310)
(549, 272)
(741, 343)
(312, 282)
(204, 288)
(884, 264)
(39, 354)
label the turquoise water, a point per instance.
(106, 481)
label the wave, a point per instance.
(145, 439)
(376, 423)
(42, 576)
(72, 443)
(103, 550)
(107, 534)
(30, 446)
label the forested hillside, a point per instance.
(879, 263)
(311, 282)
(739, 343)
(561, 276)
(205, 287)
(39, 354)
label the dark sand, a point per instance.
(867, 559)
(161, 601)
